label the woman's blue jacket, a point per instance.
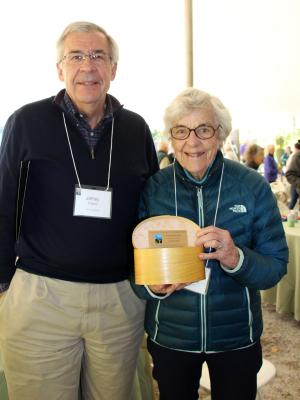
(229, 315)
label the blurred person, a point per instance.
(270, 165)
(292, 175)
(243, 147)
(230, 151)
(254, 156)
(67, 310)
(285, 156)
(165, 153)
(240, 227)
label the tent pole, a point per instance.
(189, 41)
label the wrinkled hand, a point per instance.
(167, 288)
(220, 240)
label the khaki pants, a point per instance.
(55, 333)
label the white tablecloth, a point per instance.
(286, 294)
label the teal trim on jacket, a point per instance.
(229, 316)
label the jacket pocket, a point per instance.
(250, 315)
(156, 321)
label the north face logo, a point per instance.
(238, 208)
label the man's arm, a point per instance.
(3, 287)
(10, 156)
(293, 172)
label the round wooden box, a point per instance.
(164, 251)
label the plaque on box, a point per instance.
(165, 252)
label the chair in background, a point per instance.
(265, 374)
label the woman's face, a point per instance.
(194, 154)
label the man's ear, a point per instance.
(113, 71)
(60, 72)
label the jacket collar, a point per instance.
(213, 174)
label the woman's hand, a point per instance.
(167, 288)
(220, 240)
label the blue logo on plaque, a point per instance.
(158, 238)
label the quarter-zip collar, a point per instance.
(90, 136)
(112, 105)
(197, 181)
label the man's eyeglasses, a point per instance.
(77, 58)
(202, 132)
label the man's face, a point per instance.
(87, 82)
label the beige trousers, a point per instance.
(55, 334)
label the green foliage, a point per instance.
(279, 140)
(288, 138)
(156, 135)
(278, 153)
(285, 139)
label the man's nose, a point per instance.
(87, 64)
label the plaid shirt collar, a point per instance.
(91, 136)
(63, 100)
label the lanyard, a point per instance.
(218, 199)
(217, 205)
(110, 152)
(201, 287)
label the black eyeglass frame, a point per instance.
(195, 131)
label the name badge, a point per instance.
(92, 201)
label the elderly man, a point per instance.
(71, 170)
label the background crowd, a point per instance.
(282, 171)
(281, 168)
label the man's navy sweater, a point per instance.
(51, 241)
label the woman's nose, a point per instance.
(193, 138)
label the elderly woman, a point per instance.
(245, 251)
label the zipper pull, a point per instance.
(92, 154)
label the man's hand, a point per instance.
(220, 240)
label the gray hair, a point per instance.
(191, 99)
(83, 26)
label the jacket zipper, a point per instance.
(203, 322)
(200, 207)
(202, 297)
